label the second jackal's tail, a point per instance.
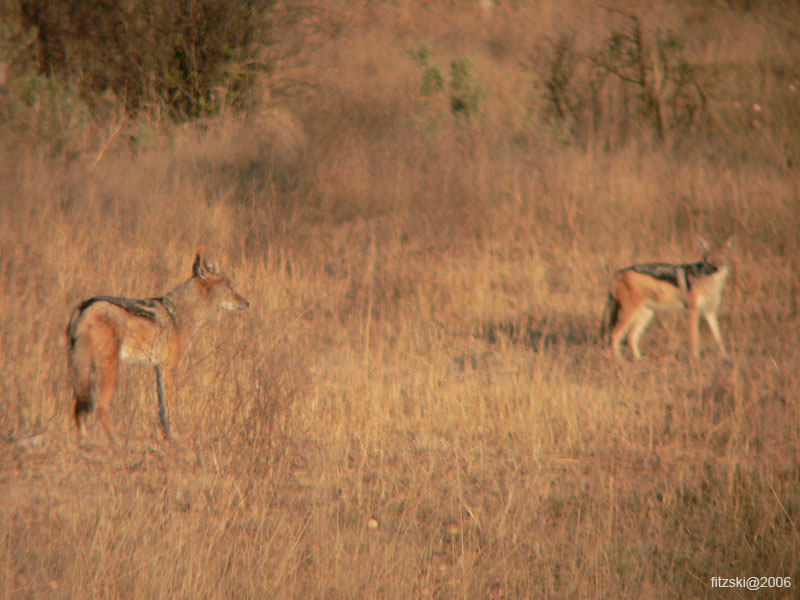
(79, 366)
(610, 315)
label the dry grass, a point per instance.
(416, 404)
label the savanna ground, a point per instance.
(416, 404)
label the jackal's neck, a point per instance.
(192, 303)
(716, 282)
(721, 274)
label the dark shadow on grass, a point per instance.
(539, 334)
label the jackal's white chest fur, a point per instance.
(709, 289)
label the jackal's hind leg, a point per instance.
(108, 383)
(108, 426)
(107, 361)
(640, 323)
(625, 320)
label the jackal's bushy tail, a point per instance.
(79, 366)
(610, 315)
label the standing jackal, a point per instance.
(105, 330)
(638, 291)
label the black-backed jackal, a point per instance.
(105, 330)
(638, 291)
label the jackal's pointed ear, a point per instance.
(197, 266)
(702, 243)
(200, 266)
(730, 244)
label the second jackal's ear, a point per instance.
(730, 243)
(200, 267)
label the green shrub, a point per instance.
(186, 54)
(632, 78)
(465, 93)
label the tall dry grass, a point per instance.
(416, 404)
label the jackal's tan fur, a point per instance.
(105, 330)
(640, 290)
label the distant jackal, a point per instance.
(105, 330)
(638, 291)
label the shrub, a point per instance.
(654, 83)
(466, 94)
(187, 54)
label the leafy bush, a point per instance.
(466, 94)
(432, 80)
(189, 54)
(631, 78)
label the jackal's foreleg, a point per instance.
(161, 377)
(694, 331)
(713, 324)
